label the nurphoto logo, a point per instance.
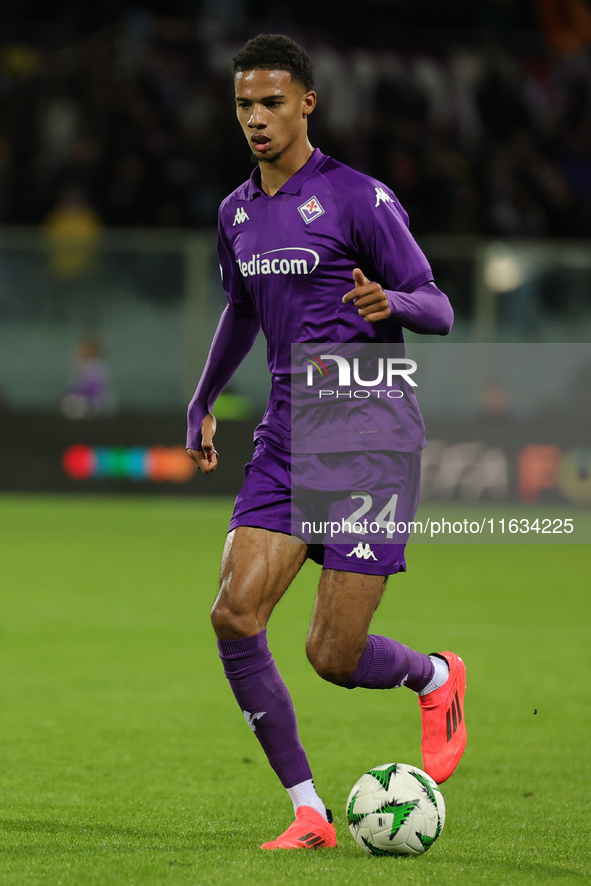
(383, 371)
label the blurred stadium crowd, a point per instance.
(478, 115)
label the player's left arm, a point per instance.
(394, 279)
(424, 310)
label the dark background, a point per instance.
(131, 103)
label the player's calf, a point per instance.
(333, 665)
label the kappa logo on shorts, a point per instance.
(362, 552)
(311, 209)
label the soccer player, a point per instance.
(310, 251)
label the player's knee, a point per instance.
(334, 666)
(231, 623)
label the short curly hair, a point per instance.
(276, 52)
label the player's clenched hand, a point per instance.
(369, 298)
(206, 458)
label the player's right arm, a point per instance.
(235, 335)
(207, 457)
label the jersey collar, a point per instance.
(293, 185)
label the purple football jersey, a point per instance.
(289, 260)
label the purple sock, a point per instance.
(387, 663)
(266, 705)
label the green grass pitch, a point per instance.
(125, 760)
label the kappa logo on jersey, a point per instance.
(282, 263)
(382, 196)
(311, 209)
(241, 216)
(252, 718)
(362, 552)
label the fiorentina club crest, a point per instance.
(310, 210)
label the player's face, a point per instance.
(272, 110)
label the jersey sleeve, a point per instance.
(382, 240)
(388, 254)
(233, 339)
(235, 335)
(232, 280)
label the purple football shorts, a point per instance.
(351, 508)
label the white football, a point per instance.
(395, 809)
